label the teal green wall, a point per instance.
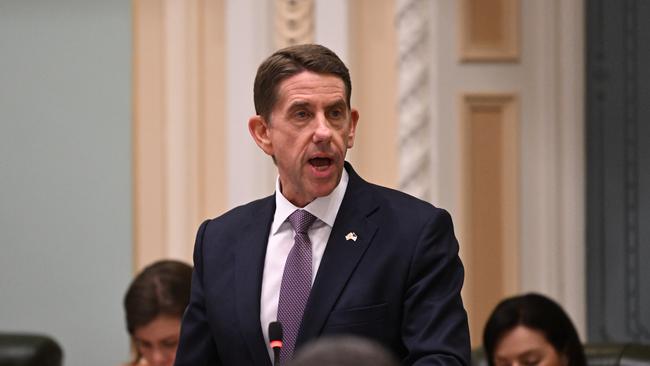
(65, 173)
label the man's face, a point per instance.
(310, 130)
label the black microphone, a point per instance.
(275, 339)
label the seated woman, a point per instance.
(154, 304)
(531, 330)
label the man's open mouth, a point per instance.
(320, 162)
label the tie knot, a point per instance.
(301, 220)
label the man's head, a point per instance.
(290, 61)
(346, 350)
(304, 120)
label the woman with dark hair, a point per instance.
(531, 329)
(154, 305)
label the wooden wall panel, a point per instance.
(489, 30)
(490, 203)
(373, 54)
(148, 131)
(178, 124)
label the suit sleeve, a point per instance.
(434, 328)
(196, 346)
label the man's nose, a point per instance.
(323, 130)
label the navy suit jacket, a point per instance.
(398, 283)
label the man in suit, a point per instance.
(328, 253)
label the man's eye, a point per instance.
(302, 114)
(336, 113)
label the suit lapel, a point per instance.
(341, 255)
(250, 251)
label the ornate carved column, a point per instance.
(294, 22)
(414, 115)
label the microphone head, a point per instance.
(275, 336)
(275, 331)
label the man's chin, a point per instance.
(323, 189)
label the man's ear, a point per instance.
(260, 131)
(354, 118)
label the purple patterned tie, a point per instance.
(296, 282)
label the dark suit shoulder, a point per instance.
(404, 202)
(387, 206)
(236, 219)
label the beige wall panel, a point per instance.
(490, 203)
(148, 130)
(373, 50)
(180, 106)
(178, 124)
(489, 30)
(212, 183)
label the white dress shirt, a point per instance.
(281, 241)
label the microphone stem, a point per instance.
(276, 356)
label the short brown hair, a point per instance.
(162, 288)
(290, 61)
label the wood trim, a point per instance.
(373, 52)
(178, 124)
(213, 187)
(149, 169)
(490, 202)
(571, 124)
(489, 30)
(180, 108)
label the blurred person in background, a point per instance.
(531, 329)
(344, 350)
(154, 304)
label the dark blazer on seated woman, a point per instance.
(398, 283)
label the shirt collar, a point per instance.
(324, 208)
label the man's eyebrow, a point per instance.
(299, 104)
(337, 103)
